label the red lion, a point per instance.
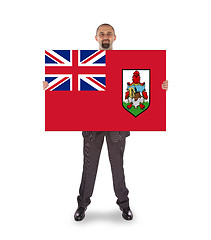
(136, 79)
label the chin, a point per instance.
(105, 46)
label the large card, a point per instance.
(113, 90)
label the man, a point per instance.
(93, 142)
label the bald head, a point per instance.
(105, 24)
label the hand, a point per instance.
(45, 85)
(165, 85)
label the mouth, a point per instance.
(105, 44)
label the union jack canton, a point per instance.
(75, 70)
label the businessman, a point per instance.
(93, 142)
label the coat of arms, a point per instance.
(136, 90)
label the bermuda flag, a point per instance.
(97, 90)
(86, 58)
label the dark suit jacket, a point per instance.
(115, 135)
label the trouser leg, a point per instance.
(116, 151)
(91, 151)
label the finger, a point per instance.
(164, 87)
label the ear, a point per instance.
(114, 37)
(96, 38)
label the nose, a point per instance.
(105, 36)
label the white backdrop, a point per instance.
(167, 173)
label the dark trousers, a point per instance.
(92, 150)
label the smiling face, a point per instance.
(105, 36)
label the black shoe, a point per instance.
(127, 213)
(79, 214)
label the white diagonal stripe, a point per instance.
(65, 61)
(57, 79)
(84, 78)
(90, 63)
